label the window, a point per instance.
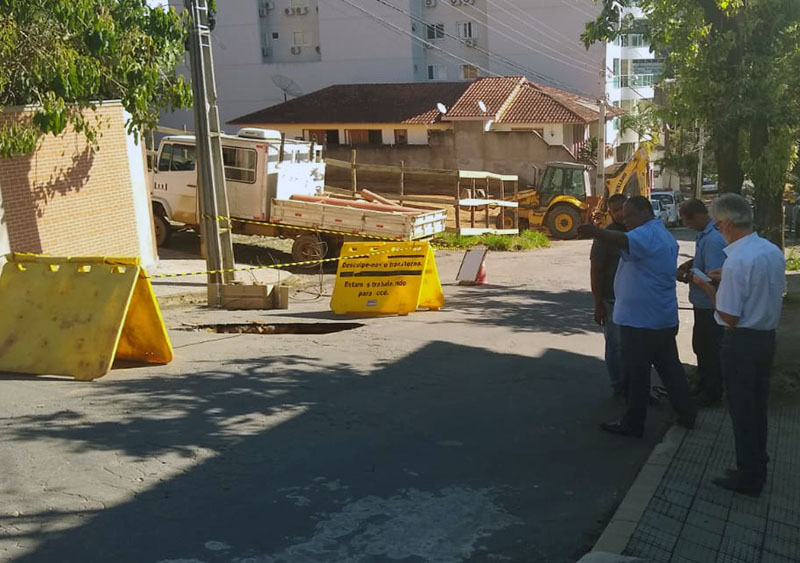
(240, 164)
(332, 137)
(401, 136)
(365, 136)
(632, 40)
(436, 72)
(435, 31)
(469, 71)
(466, 30)
(176, 158)
(300, 39)
(275, 34)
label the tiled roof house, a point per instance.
(399, 114)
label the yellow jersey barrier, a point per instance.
(75, 316)
(386, 278)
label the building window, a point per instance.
(275, 35)
(466, 30)
(435, 31)
(240, 164)
(401, 136)
(632, 40)
(469, 71)
(300, 39)
(332, 137)
(436, 72)
(365, 136)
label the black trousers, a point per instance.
(706, 343)
(641, 349)
(746, 363)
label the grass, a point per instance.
(793, 260)
(527, 240)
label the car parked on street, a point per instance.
(659, 211)
(669, 202)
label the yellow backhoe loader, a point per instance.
(564, 198)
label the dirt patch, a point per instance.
(786, 373)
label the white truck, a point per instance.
(262, 173)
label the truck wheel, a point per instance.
(308, 247)
(162, 228)
(563, 221)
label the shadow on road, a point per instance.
(452, 453)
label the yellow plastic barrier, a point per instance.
(386, 278)
(75, 316)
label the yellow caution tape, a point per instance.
(311, 229)
(277, 266)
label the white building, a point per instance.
(266, 51)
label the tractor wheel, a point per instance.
(506, 222)
(563, 221)
(308, 247)
(162, 229)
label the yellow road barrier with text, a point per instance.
(75, 316)
(394, 278)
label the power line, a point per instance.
(563, 61)
(509, 63)
(390, 25)
(535, 26)
(577, 8)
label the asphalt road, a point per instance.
(467, 434)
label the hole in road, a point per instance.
(277, 328)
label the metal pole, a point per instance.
(699, 192)
(600, 184)
(212, 194)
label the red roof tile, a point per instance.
(494, 92)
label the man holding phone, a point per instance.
(707, 334)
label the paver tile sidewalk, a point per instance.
(690, 520)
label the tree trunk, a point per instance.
(726, 151)
(767, 184)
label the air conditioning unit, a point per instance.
(456, 2)
(470, 42)
(269, 5)
(266, 51)
(301, 11)
(289, 11)
(430, 3)
(467, 1)
(428, 45)
(297, 50)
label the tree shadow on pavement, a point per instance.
(525, 310)
(451, 453)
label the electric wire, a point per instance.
(528, 20)
(517, 67)
(565, 61)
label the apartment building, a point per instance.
(268, 51)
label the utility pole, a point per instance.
(702, 141)
(600, 185)
(212, 195)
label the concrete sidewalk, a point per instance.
(673, 513)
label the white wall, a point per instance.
(141, 200)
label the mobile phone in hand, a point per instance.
(699, 273)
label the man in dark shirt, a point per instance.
(605, 258)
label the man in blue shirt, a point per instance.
(646, 308)
(709, 255)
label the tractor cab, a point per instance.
(564, 181)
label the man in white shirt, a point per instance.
(748, 305)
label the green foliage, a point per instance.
(527, 240)
(588, 152)
(64, 56)
(732, 65)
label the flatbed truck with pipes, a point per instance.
(275, 188)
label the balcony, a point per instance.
(634, 80)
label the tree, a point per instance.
(66, 55)
(735, 66)
(643, 119)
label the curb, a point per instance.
(619, 530)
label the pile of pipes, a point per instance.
(371, 201)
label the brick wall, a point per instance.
(70, 199)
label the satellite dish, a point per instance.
(482, 106)
(441, 107)
(287, 85)
(488, 125)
